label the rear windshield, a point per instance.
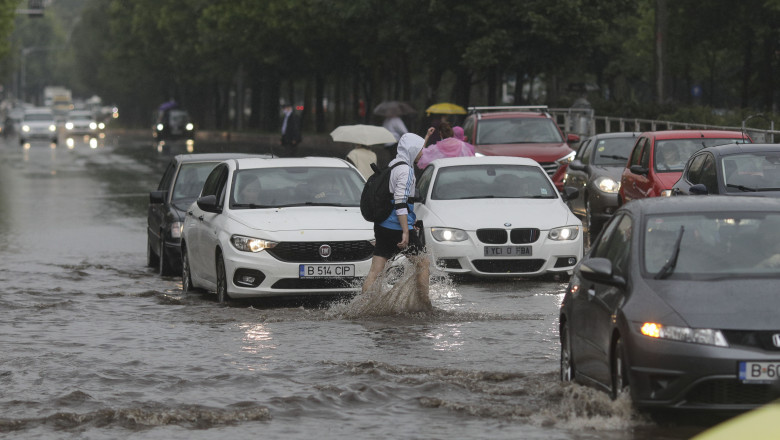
(518, 131)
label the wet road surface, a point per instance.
(93, 344)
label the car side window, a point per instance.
(604, 237)
(645, 161)
(423, 184)
(212, 185)
(167, 178)
(694, 170)
(637, 153)
(616, 246)
(468, 130)
(709, 177)
(583, 155)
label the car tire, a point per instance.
(186, 272)
(567, 365)
(164, 267)
(222, 295)
(619, 369)
(151, 257)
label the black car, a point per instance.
(596, 171)
(173, 124)
(732, 169)
(179, 187)
(676, 303)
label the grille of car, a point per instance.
(492, 236)
(508, 266)
(517, 236)
(309, 251)
(550, 167)
(747, 338)
(524, 236)
(730, 392)
(314, 283)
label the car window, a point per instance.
(612, 151)
(487, 181)
(645, 160)
(758, 171)
(583, 154)
(424, 183)
(595, 250)
(709, 177)
(190, 181)
(296, 186)
(167, 178)
(518, 131)
(694, 171)
(468, 129)
(38, 117)
(212, 185)
(636, 154)
(616, 245)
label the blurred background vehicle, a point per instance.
(38, 123)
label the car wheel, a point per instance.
(619, 370)
(164, 267)
(186, 272)
(151, 257)
(567, 365)
(222, 295)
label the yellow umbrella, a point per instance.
(446, 108)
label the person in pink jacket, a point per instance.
(449, 146)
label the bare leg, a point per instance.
(423, 279)
(377, 266)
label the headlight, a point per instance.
(563, 233)
(69, 125)
(92, 126)
(101, 126)
(666, 193)
(176, 229)
(607, 185)
(160, 127)
(684, 334)
(249, 244)
(189, 126)
(566, 159)
(449, 234)
(52, 127)
(25, 128)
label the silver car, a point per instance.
(38, 123)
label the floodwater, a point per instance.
(95, 345)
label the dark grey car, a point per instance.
(678, 302)
(733, 169)
(596, 171)
(179, 187)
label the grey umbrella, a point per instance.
(393, 108)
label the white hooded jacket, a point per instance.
(402, 181)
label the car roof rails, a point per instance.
(509, 108)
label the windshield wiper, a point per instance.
(668, 268)
(292, 205)
(488, 196)
(743, 188)
(249, 205)
(614, 156)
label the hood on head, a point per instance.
(409, 146)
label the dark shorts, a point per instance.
(387, 242)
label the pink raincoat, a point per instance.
(449, 147)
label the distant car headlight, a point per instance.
(684, 334)
(52, 127)
(564, 233)
(189, 126)
(176, 228)
(607, 185)
(160, 127)
(449, 234)
(566, 159)
(25, 128)
(69, 125)
(666, 193)
(249, 244)
(101, 126)
(92, 125)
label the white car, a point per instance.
(81, 122)
(277, 227)
(495, 216)
(38, 123)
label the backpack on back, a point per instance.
(376, 200)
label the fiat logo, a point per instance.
(325, 251)
(776, 339)
(507, 224)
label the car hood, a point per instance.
(537, 152)
(302, 218)
(734, 304)
(496, 213)
(613, 172)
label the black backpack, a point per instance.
(376, 201)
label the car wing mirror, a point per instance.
(699, 189)
(569, 193)
(577, 165)
(600, 270)
(208, 204)
(638, 169)
(156, 197)
(572, 138)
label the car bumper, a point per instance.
(668, 374)
(602, 205)
(468, 257)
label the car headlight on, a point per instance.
(666, 193)
(684, 334)
(52, 127)
(564, 233)
(607, 185)
(101, 126)
(566, 159)
(176, 228)
(189, 126)
(92, 125)
(249, 244)
(25, 128)
(69, 125)
(160, 127)
(449, 234)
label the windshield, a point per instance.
(713, 244)
(296, 186)
(38, 117)
(190, 181)
(77, 117)
(518, 131)
(751, 172)
(613, 151)
(672, 154)
(491, 181)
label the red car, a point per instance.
(521, 132)
(658, 159)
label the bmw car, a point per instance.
(676, 305)
(277, 227)
(497, 216)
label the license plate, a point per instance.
(507, 251)
(759, 372)
(326, 270)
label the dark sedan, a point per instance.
(179, 187)
(733, 169)
(596, 172)
(677, 302)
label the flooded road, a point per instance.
(93, 344)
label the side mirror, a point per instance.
(208, 204)
(638, 169)
(569, 193)
(698, 190)
(577, 165)
(572, 138)
(599, 270)
(157, 197)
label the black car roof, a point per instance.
(710, 203)
(729, 149)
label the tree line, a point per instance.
(231, 63)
